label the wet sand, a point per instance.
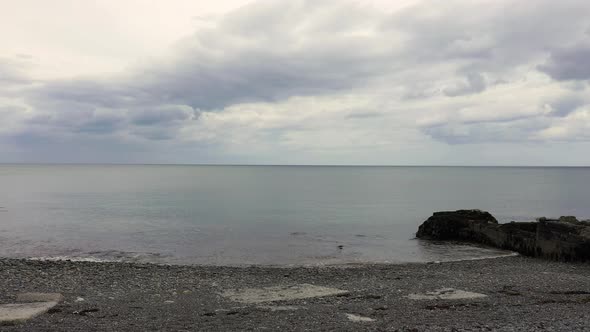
(504, 294)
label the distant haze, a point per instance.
(455, 82)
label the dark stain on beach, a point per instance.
(85, 311)
(54, 311)
(571, 292)
(448, 306)
(369, 297)
(509, 290)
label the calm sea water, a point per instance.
(264, 214)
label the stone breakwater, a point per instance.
(563, 239)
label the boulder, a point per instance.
(565, 239)
(28, 305)
(454, 225)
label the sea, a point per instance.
(265, 215)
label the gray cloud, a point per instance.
(259, 54)
(494, 35)
(271, 51)
(96, 93)
(518, 130)
(252, 55)
(10, 76)
(571, 63)
(474, 83)
(13, 73)
(164, 115)
(565, 105)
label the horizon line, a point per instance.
(273, 165)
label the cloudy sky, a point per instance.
(454, 82)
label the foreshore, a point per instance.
(504, 294)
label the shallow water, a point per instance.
(286, 215)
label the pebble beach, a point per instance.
(501, 294)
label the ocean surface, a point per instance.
(272, 215)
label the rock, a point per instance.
(39, 297)
(565, 239)
(19, 312)
(280, 293)
(454, 225)
(358, 319)
(29, 306)
(570, 219)
(446, 294)
(279, 307)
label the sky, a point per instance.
(374, 82)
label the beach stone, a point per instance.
(357, 318)
(446, 294)
(280, 293)
(19, 312)
(279, 307)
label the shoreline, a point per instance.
(516, 293)
(316, 265)
(492, 253)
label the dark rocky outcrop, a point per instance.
(565, 239)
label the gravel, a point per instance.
(523, 294)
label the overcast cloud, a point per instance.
(314, 82)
